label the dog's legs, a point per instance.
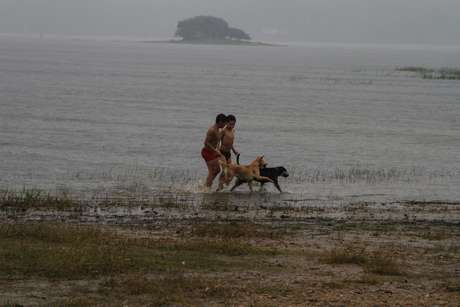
(262, 187)
(222, 181)
(237, 184)
(277, 185)
(265, 179)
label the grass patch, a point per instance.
(8, 304)
(175, 288)
(380, 227)
(377, 262)
(35, 199)
(70, 252)
(383, 264)
(430, 73)
(453, 287)
(274, 291)
(334, 285)
(169, 289)
(435, 235)
(415, 69)
(228, 247)
(60, 251)
(369, 279)
(237, 230)
(346, 255)
(76, 302)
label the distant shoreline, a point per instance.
(227, 42)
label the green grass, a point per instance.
(35, 199)
(182, 270)
(171, 289)
(71, 252)
(430, 73)
(415, 69)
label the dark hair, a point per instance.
(221, 118)
(231, 117)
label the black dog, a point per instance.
(271, 172)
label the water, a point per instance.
(129, 118)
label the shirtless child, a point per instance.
(228, 138)
(210, 151)
(226, 147)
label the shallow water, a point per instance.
(128, 118)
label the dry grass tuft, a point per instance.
(435, 235)
(453, 286)
(177, 288)
(369, 279)
(346, 255)
(383, 264)
(377, 262)
(237, 230)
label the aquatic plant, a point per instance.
(359, 174)
(430, 73)
(27, 198)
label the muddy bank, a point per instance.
(257, 207)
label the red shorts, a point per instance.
(209, 155)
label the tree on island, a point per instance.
(208, 28)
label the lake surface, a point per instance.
(129, 118)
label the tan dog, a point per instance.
(243, 173)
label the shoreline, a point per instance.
(216, 43)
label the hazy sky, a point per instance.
(347, 21)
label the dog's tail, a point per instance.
(224, 166)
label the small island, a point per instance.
(211, 30)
